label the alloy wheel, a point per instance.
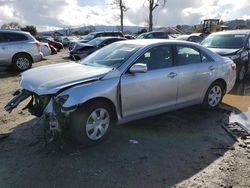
(22, 63)
(214, 96)
(97, 124)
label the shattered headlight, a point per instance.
(61, 99)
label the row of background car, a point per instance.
(85, 45)
(20, 49)
(234, 44)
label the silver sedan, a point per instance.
(122, 82)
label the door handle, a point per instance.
(3, 48)
(211, 68)
(172, 75)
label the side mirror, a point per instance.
(138, 68)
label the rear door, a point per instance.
(196, 70)
(5, 49)
(153, 90)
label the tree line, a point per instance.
(117, 4)
(151, 4)
(16, 26)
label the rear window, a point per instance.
(160, 35)
(109, 34)
(12, 37)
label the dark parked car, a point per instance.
(190, 38)
(93, 35)
(154, 35)
(234, 44)
(57, 45)
(82, 50)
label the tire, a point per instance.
(82, 126)
(242, 73)
(214, 96)
(22, 62)
(58, 48)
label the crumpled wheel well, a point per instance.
(101, 99)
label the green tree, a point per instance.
(31, 29)
(11, 25)
(142, 31)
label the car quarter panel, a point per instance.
(106, 88)
(194, 80)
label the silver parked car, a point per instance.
(122, 82)
(18, 49)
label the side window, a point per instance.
(14, 37)
(150, 36)
(187, 55)
(107, 42)
(159, 35)
(157, 58)
(205, 58)
(3, 38)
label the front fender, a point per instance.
(80, 94)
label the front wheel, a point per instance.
(213, 96)
(91, 123)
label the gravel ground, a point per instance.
(184, 148)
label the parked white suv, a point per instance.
(19, 49)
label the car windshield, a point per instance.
(89, 36)
(185, 37)
(142, 36)
(224, 41)
(96, 41)
(111, 56)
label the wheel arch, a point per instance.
(102, 99)
(19, 53)
(223, 82)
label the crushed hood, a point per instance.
(224, 51)
(51, 78)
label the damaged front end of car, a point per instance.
(48, 107)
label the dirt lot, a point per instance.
(185, 148)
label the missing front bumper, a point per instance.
(19, 97)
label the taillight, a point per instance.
(233, 66)
(37, 43)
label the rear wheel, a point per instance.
(213, 96)
(91, 123)
(21, 62)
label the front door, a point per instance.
(153, 90)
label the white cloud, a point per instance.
(7, 13)
(48, 14)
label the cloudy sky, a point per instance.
(53, 14)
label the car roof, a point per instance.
(97, 32)
(156, 32)
(109, 37)
(147, 42)
(233, 32)
(13, 31)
